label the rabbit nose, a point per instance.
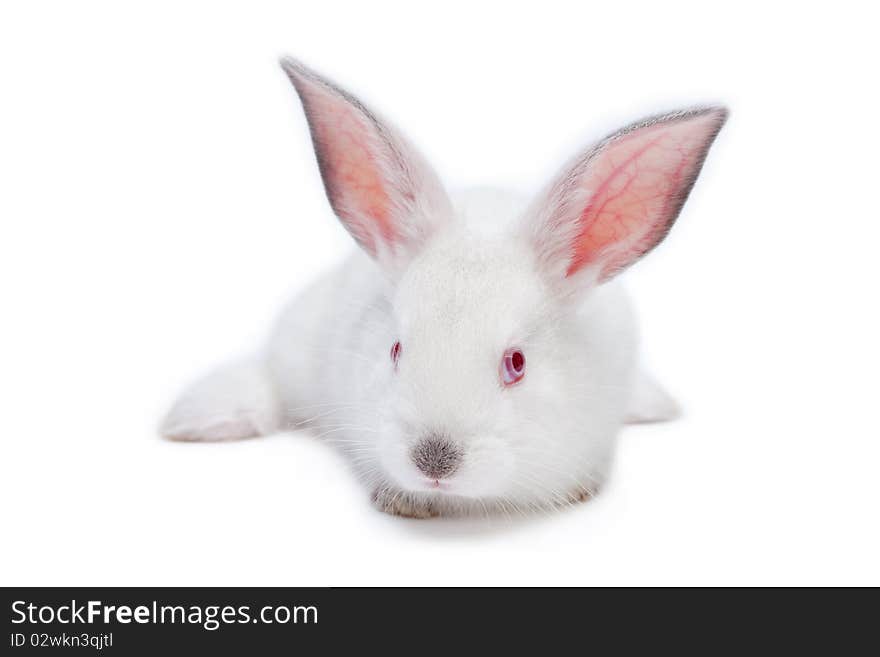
(436, 456)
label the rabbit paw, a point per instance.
(234, 402)
(580, 495)
(398, 503)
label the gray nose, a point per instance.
(436, 456)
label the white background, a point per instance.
(159, 201)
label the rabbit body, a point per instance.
(329, 358)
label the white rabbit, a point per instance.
(475, 355)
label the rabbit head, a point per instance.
(506, 374)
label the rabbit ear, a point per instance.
(619, 199)
(381, 189)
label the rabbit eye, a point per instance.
(395, 352)
(513, 366)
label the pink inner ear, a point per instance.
(353, 174)
(635, 185)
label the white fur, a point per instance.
(456, 283)
(468, 295)
(650, 402)
(238, 400)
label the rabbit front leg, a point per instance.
(396, 502)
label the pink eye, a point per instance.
(513, 366)
(395, 352)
